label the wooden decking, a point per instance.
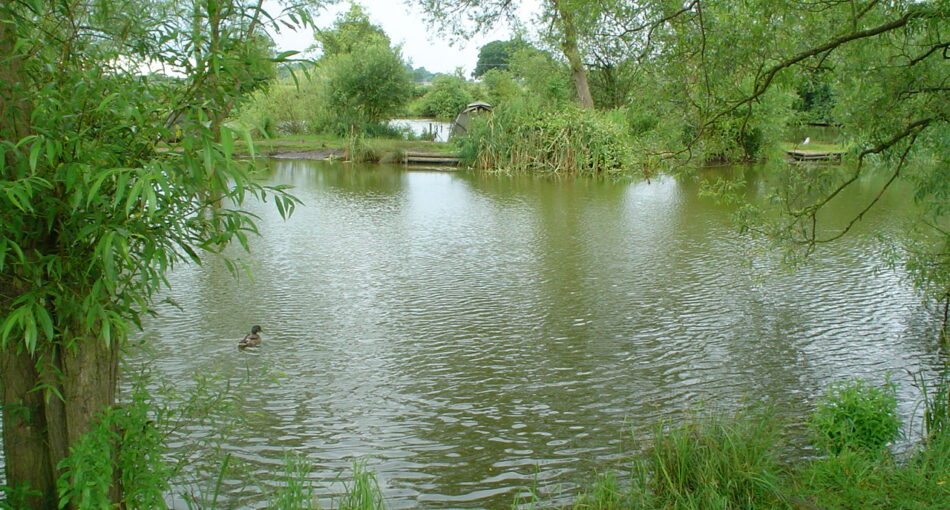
(807, 155)
(430, 159)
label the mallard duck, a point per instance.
(252, 339)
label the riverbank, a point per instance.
(371, 150)
(383, 150)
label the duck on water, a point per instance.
(252, 339)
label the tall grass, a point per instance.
(295, 491)
(713, 463)
(936, 400)
(531, 137)
(362, 491)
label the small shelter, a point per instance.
(464, 118)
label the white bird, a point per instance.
(807, 139)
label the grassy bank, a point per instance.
(372, 149)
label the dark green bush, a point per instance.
(854, 415)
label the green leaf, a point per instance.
(12, 321)
(152, 201)
(283, 55)
(29, 331)
(250, 143)
(133, 197)
(107, 331)
(35, 155)
(92, 194)
(51, 152)
(227, 142)
(44, 319)
(106, 256)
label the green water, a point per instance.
(471, 336)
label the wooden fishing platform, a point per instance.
(807, 155)
(430, 158)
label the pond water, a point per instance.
(438, 131)
(471, 336)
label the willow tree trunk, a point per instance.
(50, 400)
(573, 54)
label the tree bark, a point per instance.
(25, 448)
(39, 427)
(573, 54)
(15, 109)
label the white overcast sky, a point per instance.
(422, 45)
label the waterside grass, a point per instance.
(734, 462)
(383, 148)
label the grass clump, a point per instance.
(713, 463)
(858, 479)
(295, 491)
(531, 137)
(855, 415)
(362, 492)
(936, 406)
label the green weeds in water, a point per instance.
(936, 401)
(295, 491)
(532, 137)
(733, 462)
(362, 492)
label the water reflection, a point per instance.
(473, 335)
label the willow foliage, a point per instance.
(96, 208)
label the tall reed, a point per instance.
(362, 492)
(532, 137)
(713, 463)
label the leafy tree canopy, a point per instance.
(496, 55)
(350, 31)
(447, 96)
(364, 87)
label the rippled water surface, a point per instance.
(471, 336)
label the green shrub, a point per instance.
(447, 96)
(500, 86)
(125, 441)
(362, 88)
(854, 415)
(854, 479)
